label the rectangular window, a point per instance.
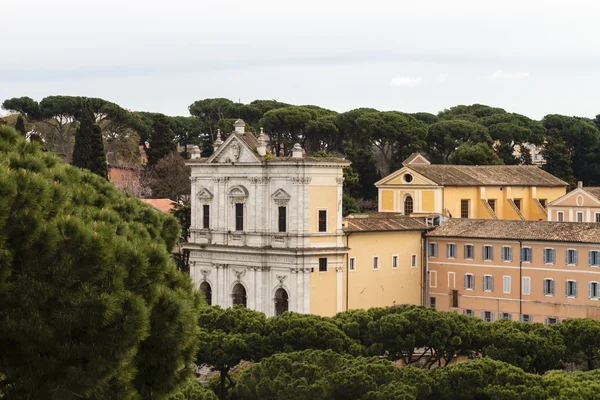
(506, 284)
(375, 262)
(464, 208)
(488, 253)
(469, 281)
(470, 313)
(455, 299)
(579, 216)
(597, 217)
(549, 256)
(394, 262)
(548, 287)
(413, 260)
(506, 253)
(282, 219)
(517, 203)
(322, 264)
(451, 280)
(322, 220)
(432, 249)
(352, 264)
(594, 290)
(487, 316)
(239, 216)
(594, 258)
(492, 203)
(561, 216)
(432, 302)
(451, 250)
(526, 254)
(469, 252)
(206, 216)
(505, 315)
(433, 279)
(571, 288)
(551, 321)
(525, 318)
(526, 284)
(488, 283)
(571, 257)
(543, 202)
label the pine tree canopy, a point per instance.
(91, 304)
(88, 152)
(20, 125)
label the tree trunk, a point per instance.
(222, 394)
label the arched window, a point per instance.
(239, 295)
(408, 205)
(281, 301)
(207, 291)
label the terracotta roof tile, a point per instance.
(571, 232)
(593, 190)
(163, 205)
(383, 222)
(490, 175)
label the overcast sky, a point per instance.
(528, 56)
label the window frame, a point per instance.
(432, 274)
(451, 248)
(433, 304)
(528, 280)
(574, 258)
(468, 203)
(579, 214)
(591, 292)
(280, 220)
(590, 258)
(510, 254)
(432, 245)
(472, 248)
(205, 216)
(453, 286)
(454, 298)
(413, 261)
(597, 217)
(530, 254)
(504, 280)
(395, 261)
(560, 216)
(518, 203)
(319, 220)
(466, 281)
(492, 204)
(545, 258)
(547, 288)
(571, 290)
(352, 264)
(240, 218)
(486, 284)
(326, 264)
(483, 252)
(375, 263)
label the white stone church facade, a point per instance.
(266, 230)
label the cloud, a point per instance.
(407, 81)
(442, 78)
(507, 76)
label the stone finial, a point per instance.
(579, 184)
(195, 153)
(263, 140)
(240, 126)
(297, 151)
(218, 142)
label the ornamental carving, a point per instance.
(338, 269)
(303, 180)
(205, 273)
(281, 197)
(221, 179)
(236, 151)
(281, 279)
(239, 274)
(205, 196)
(339, 180)
(259, 180)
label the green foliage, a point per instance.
(478, 154)
(88, 152)
(20, 125)
(162, 140)
(349, 205)
(193, 390)
(170, 178)
(582, 341)
(445, 137)
(92, 305)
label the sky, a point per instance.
(532, 57)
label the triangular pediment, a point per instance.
(238, 191)
(405, 176)
(205, 194)
(576, 198)
(280, 194)
(234, 150)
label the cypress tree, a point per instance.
(20, 126)
(91, 303)
(88, 152)
(161, 140)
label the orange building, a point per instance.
(536, 271)
(579, 205)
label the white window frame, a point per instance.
(453, 285)
(590, 294)
(597, 217)
(546, 258)
(560, 216)
(505, 315)
(579, 213)
(486, 287)
(549, 294)
(530, 252)
(492, 252)
(528, 280)
(450, 246)
(472, 281)
(429, 245)
(433, 279)
(413, 261)
(529, 318)
(326, 220)
(547, 321)
(470, 313)
(505, 279)
(576, 257)
(597, 258)
(472, 247)
(352, 264)
(570, 296)
(510, 253)
(375, 263)
(485, 317)
(394, 260)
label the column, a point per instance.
(306, 294)
(299, 273)
(339, 289)
(259, 290)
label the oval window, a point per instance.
(408, 178)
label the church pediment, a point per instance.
(281, 197)
(405, 177)
(576, 198)
(234, 150)
(205, 194)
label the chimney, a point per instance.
(217, 142)
(240, 126)
(579, 184)
(261, 147)
(195, 153)
(297, 151)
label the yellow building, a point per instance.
(511, 192)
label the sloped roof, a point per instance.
(593, 190)
(489, 175)
(416, 158)
(570, 232)
(381, 222)
(163, 205)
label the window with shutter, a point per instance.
(506, 284)
(594, 258)
(451, 250)
(561, 216)
(488, 253)
(506, 253)
(549, 256)
(469, 253)
(548, 287)
(504, 315)
(469, 281)
(526, 284)
(571, 257)
(488, 283)
(432, 249)
(526, 254)
(525, 318)
(571, 288)
(594, 290)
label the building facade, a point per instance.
(579, 205)
(521, 270)
(266, 232)
(509, 192)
